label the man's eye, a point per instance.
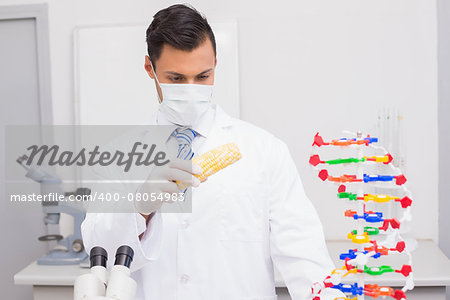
(203, 76)
(177, 78)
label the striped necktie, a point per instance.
(185, 136)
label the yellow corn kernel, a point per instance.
(215, 160)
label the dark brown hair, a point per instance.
(179, 25)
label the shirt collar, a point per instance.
(216, 116)
(202, 126)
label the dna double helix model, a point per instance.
(379, 204)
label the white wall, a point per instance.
(306, 66)
(444, 125)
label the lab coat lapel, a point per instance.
(220, 132)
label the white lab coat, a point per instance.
(244, 219)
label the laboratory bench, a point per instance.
(431, 269)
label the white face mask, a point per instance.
(184, 104)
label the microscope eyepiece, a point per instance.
(98, 257)
(124, 256)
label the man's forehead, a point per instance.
(176, 60)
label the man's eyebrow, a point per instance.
(206, 71)
(174, 73)
(182, 75)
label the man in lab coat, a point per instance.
(244, 219)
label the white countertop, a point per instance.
(430, 267)
(35, 274)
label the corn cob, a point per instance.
(214, 160)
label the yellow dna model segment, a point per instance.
(383, 159)
(358, 238)
(344, 272)
(379, 198)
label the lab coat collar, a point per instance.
(222, 118)
(213, 116)
(220, 133)
(202, 126)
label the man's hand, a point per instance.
(162, 181)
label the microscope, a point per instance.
(73, 248)
(96, 286)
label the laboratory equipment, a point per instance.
(71, 248)
(97, 286)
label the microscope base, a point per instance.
(59, 257)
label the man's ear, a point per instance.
(215, 63)
(148, 67)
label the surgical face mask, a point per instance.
(184, 104)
